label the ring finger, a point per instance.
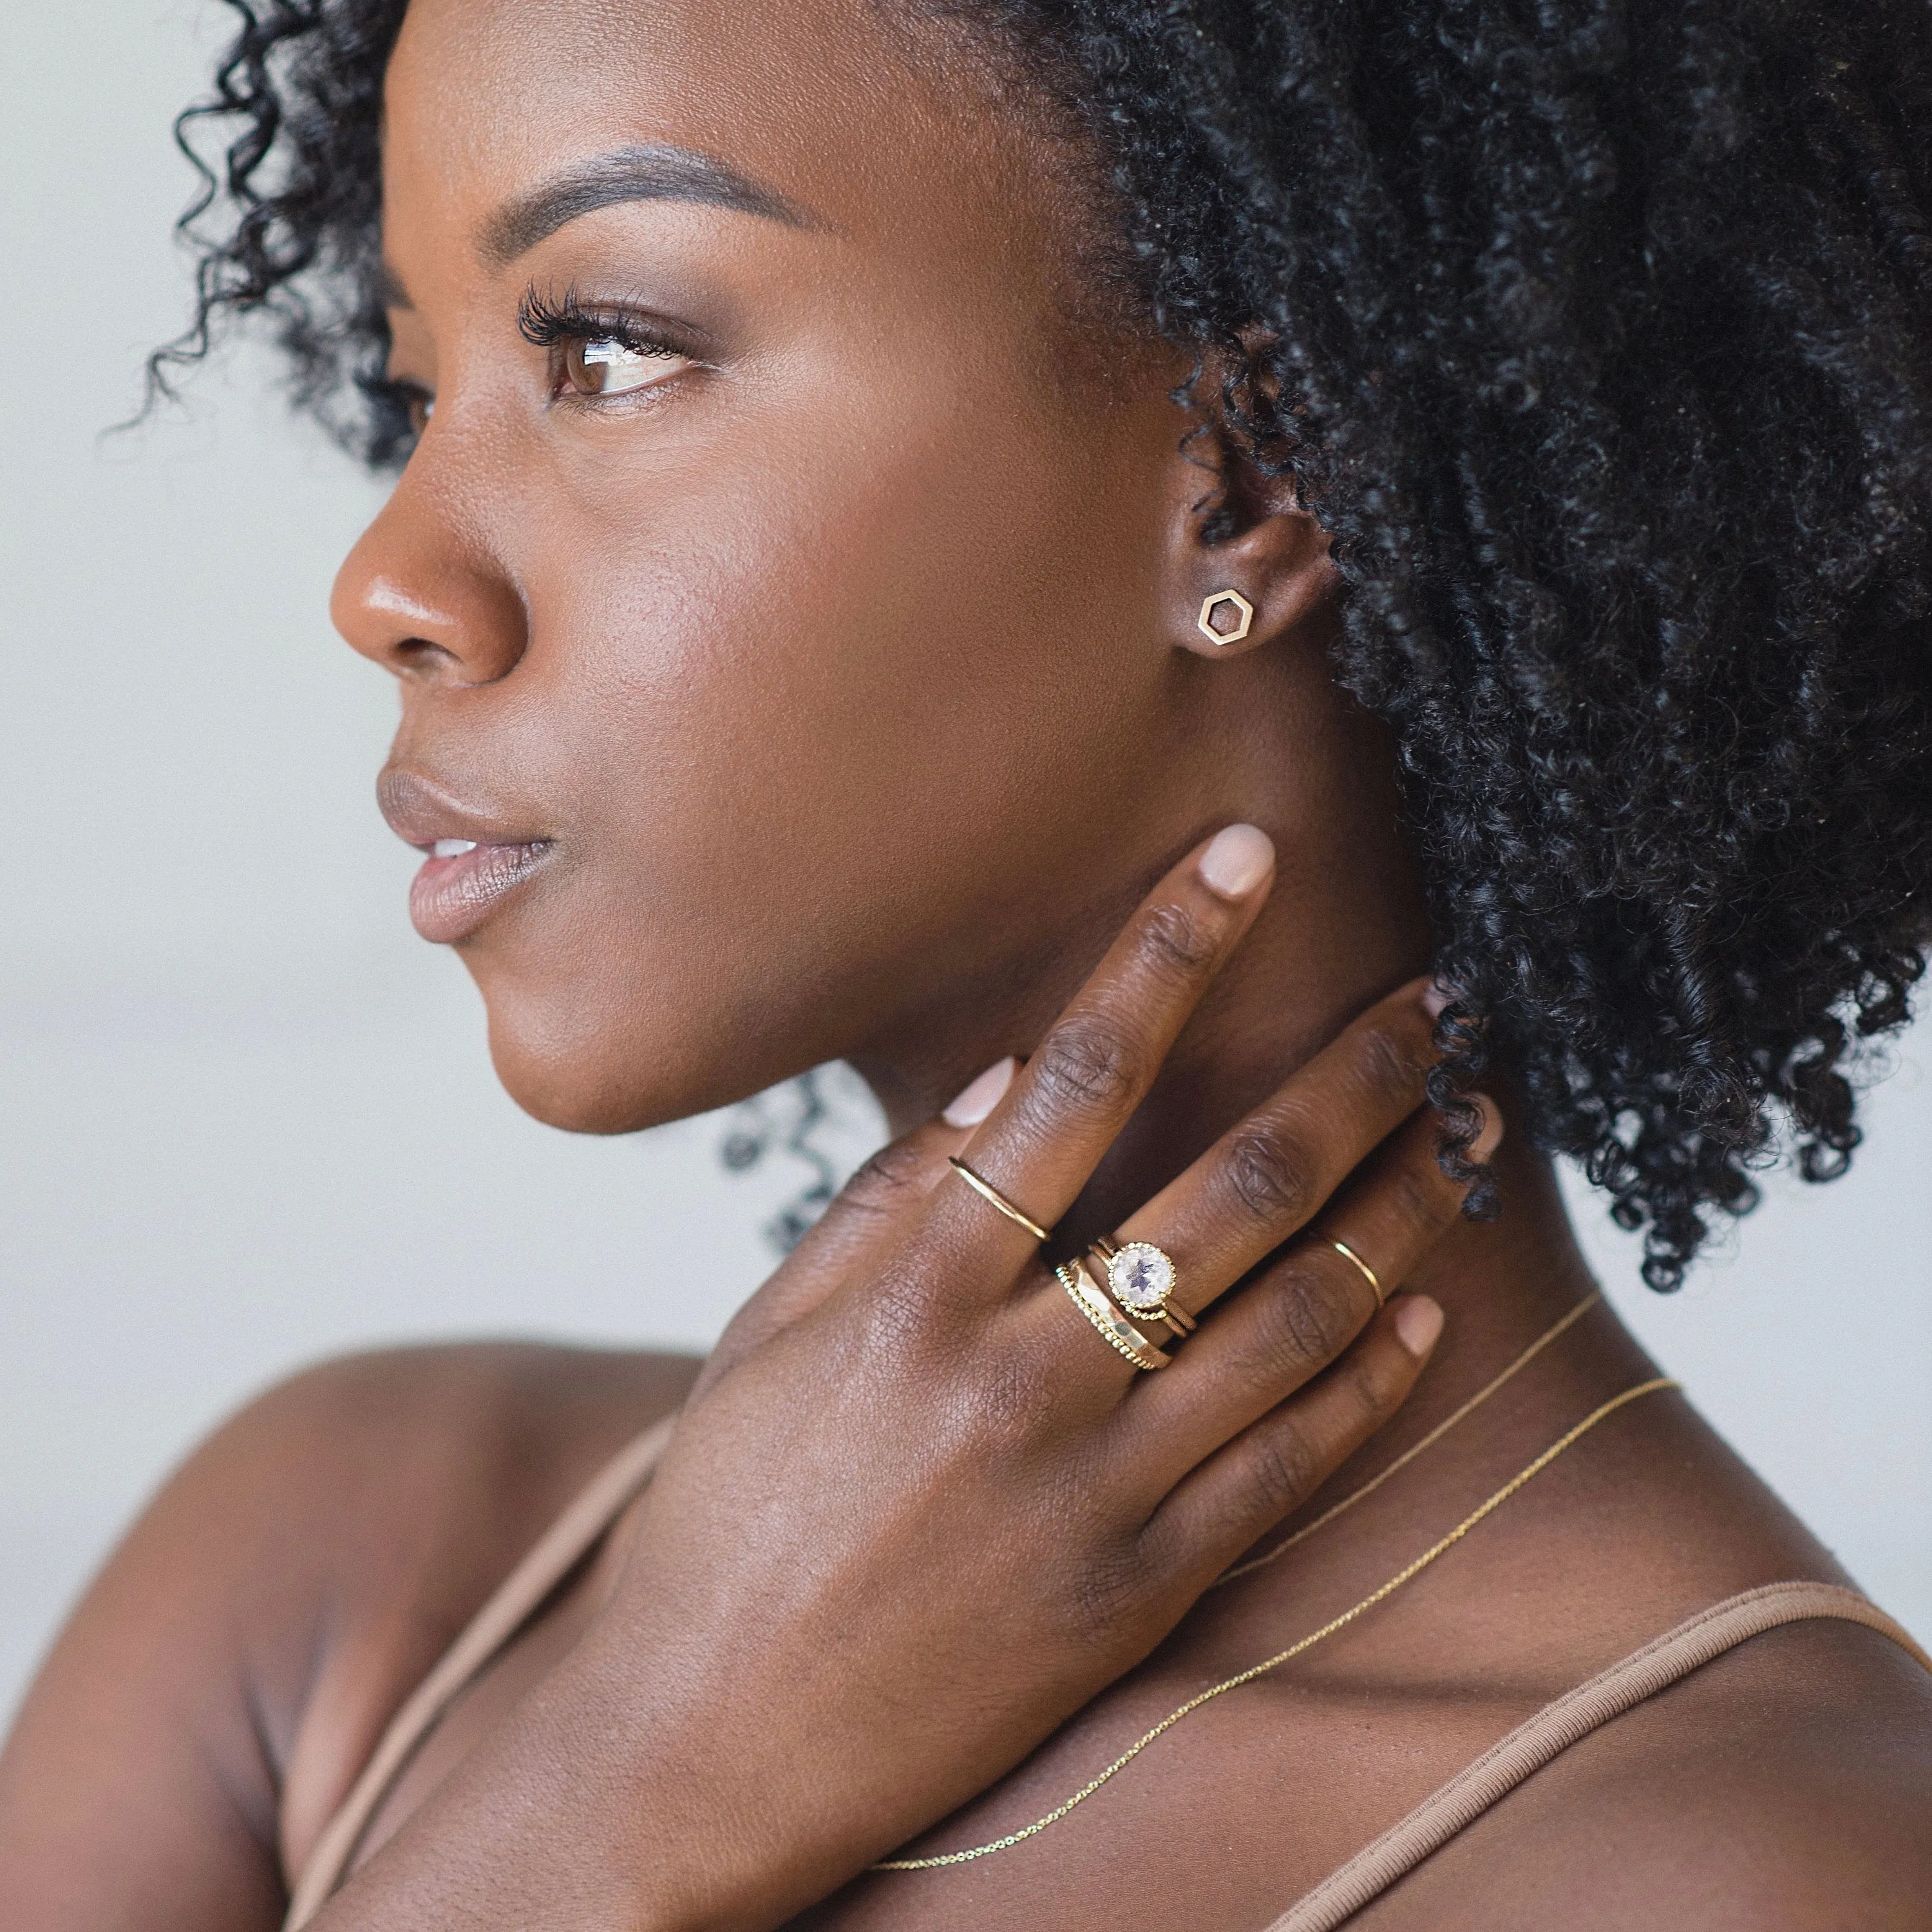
(1295, 1318)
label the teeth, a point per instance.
(452, 848)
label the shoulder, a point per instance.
(403, 1480)
(1785, 1787)
(381, 1497)
(368, 1461)
(304, 1569)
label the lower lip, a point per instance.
(449, 898)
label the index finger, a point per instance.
(1095, 1066)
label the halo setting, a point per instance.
(1141, 1277)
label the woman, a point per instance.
(901, 504)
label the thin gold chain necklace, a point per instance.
(1428, 1441)
(1414, 1569)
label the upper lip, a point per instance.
(420, 811)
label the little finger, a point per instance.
(1279, 1460)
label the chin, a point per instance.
(565, 1068)
(568, 1060)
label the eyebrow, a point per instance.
(651, 172)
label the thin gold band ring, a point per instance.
(1369, 1274)
(992, 1193)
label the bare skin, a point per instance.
(834, 691)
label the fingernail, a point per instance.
(1491, 1137)
(1237, 860)
(975, 1101)
(1418, 1321)
(1436, 997)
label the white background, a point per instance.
(246, 1118)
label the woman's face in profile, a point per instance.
(777, 589)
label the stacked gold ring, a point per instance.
(1143, 1279)
(1114, 1327)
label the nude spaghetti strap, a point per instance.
(1555, 1728)
(1455, 1806)
(561, 1548)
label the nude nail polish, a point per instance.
(1418, 1321)
(1237, 860)
(980, 1096)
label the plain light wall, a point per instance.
(246, 1117)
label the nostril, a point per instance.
(415, 598)
(419, 657)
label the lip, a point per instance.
(455, 891)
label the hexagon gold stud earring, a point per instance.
(1243, 613)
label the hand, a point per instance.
(918, 1511)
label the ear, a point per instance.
(1246, 564)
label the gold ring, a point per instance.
(999, 1200)
(1144, 1280)
(1369, 1274)
(1115, 1329)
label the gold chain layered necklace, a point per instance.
(1403, 1576)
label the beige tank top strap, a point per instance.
(1555, 1728)
(561, 1548)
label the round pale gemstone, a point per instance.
(1141, 1277)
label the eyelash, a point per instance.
(548, 323)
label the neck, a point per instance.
(1500, 1284)
(1501, 1279)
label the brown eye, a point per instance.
(602, 365)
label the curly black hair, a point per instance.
(1598, 334)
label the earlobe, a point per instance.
(1226, 617)
(1249, 563)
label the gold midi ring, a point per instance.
(1143, 1279)
(999, 1200)
(1369, 1274)
(1115, 1329)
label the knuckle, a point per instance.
(1372, 1390)
(1390, 1066)
(1086, 1062)
(1422, 1193)
(886, 1180)
(1173, 943)
(1268, 1177)
(1107, 1594)
(1307, 1322)
(1284, 1468)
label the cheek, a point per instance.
(840, 654)
(801, 718)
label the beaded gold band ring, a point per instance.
(988, 1191)
(1115, 1329)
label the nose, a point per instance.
(421, 595)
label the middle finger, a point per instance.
(1267, 1176)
